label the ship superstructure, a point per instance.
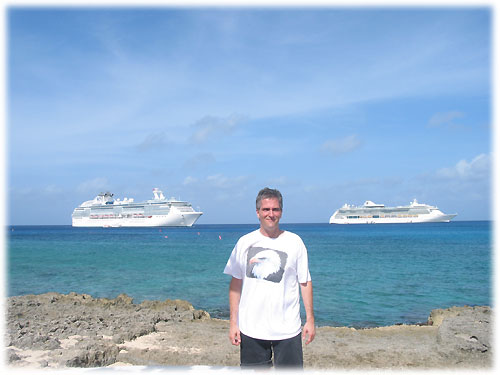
(372, 213)
(105, 211)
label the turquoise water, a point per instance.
(363, 275)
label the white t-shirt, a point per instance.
(271, 270)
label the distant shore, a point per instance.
(53, 330)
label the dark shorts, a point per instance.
(258, 353)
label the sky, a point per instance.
(330, 105)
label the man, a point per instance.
(268, 267)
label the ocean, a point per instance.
(363, 275)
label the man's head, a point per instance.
(267, 193)
(269, 204)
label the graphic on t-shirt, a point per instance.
(266, 264)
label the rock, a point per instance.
(438, 315)
(162, 326)
(40, 322)
(12, 356)
(200, 314)
(119, 338)
(466, 329)
(94, 356)
(77, 330)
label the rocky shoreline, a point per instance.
(53, 330)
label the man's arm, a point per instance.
(309, 330)
(234, 304)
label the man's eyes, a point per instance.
(274, 209)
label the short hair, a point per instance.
(268, 193)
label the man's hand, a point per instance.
(234, 335)
(308, 332)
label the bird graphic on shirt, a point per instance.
(265, 263)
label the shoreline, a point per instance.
(54, 330)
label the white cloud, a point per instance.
(200, 160)
(22, 191)
(282, 181)
(95, 185)
(477, 168)
(52, 189)
(224, 182)
(445, 118)
(190, 180)
(209, 127)
(341, 146)
(153, 141)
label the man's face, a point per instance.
(269, 213)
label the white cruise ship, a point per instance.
(104, 211)
(372, 213)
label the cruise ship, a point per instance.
(105, 211)
(372, 213)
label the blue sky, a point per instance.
(331, 105)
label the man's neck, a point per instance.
(272, 233)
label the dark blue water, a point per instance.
(363, 275)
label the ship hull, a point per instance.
(105, 211)
(372, 213)
(435, 219)
(170, 220)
